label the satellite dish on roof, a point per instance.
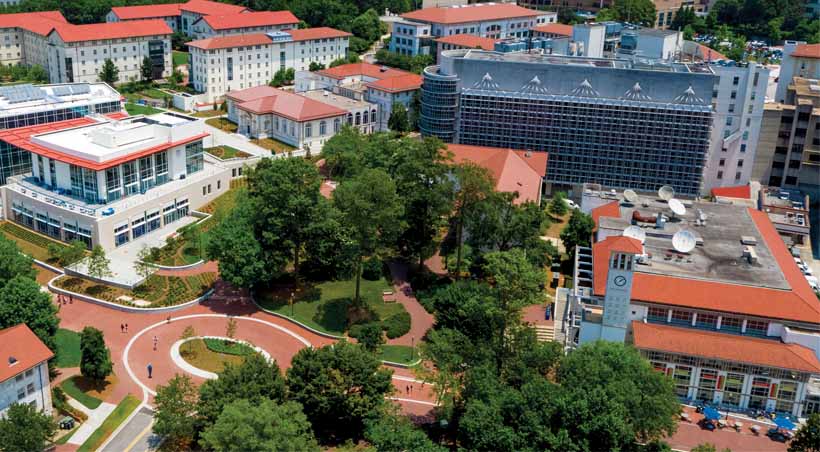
(631, 196)
(677, 207)
(666, 192)
(683, 241)
(636, 233)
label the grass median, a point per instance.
(117, 417)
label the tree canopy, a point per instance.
(22, 301)
(13, 263)
(259, 427)
(175, 414)
(578, 231)
(95, 360)
(25, 428)
(807, 438)
(339, 387)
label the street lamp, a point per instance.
(412, 347)
(291, 304)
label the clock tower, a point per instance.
(615, 317)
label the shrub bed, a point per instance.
(397, 325)
(228, 347)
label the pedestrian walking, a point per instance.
(126, 327)
(407, 389)
(155, 343)
(150, 370)
(122, 328)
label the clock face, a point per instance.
(620, 281)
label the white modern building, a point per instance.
(243, 23)
(304, 121)
(24, 370)
(799, 60)
(364, 81)
(229, 63)
(738, 100)
(415, 33)
(107, 181)
(23, 106)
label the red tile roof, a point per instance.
(739, 192)
(398, 84)
(253, 19)
(112, 30)
(512, 170)
(555, 29)
(799, 303)
(472, 13)
(624, 244)
(807, 51)
(146, 11)
(251, 39)
(709, 54)
(207, 8)
(468, 41)
(284, 103)
(612, 209)
(727, 347)
(26, 349)
(226, 42)
(364, 69)
(252, 93)
(39, 22)
(306, 34)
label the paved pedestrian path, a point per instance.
(219, 137)
(95, 419)
(420, 319)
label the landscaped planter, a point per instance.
(176, 355)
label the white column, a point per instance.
(719, 320)
(743, 326)
(669, 316)
(694, 318)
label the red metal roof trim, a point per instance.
(738, 192)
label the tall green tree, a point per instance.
(343, 153)
(234, 244)
(95, 360)
(146, 69)
(24, 428)
(255, 380)
(578, 231)
(286, 198)
(648, 399)
(339, 387)
(367, 26)
(13, 263)
(109, 73)
(259, 427)
(175, 413)
(421, 170)
(394, 433)
(473, 185)
(22, 301)
(807, 438)
(636, 11)
(97, 263)
(371, 208)
(558, 204)
(399, 120)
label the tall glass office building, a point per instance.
(27, 105)
(612, 122)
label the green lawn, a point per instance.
(226, 152)
(29, 242)
(208, 113)
(136, 109)
(273, 145)
(228, 348)
(222, 124)
(401, 354)
(179, 58)
(325, 306)
(154, 93)
(71, 389)
(68, 348)
(120, 414)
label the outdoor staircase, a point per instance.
(545, 333)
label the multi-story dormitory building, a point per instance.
(728, 315)
(178, 16)
(249, 22)
(47, 104)
(612, 122)
(228, 63)
(76, 53)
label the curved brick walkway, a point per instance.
(420, 319)
(207, 267)
(226, 301)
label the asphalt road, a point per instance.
(136, 436)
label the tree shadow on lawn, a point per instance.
(340, 314)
